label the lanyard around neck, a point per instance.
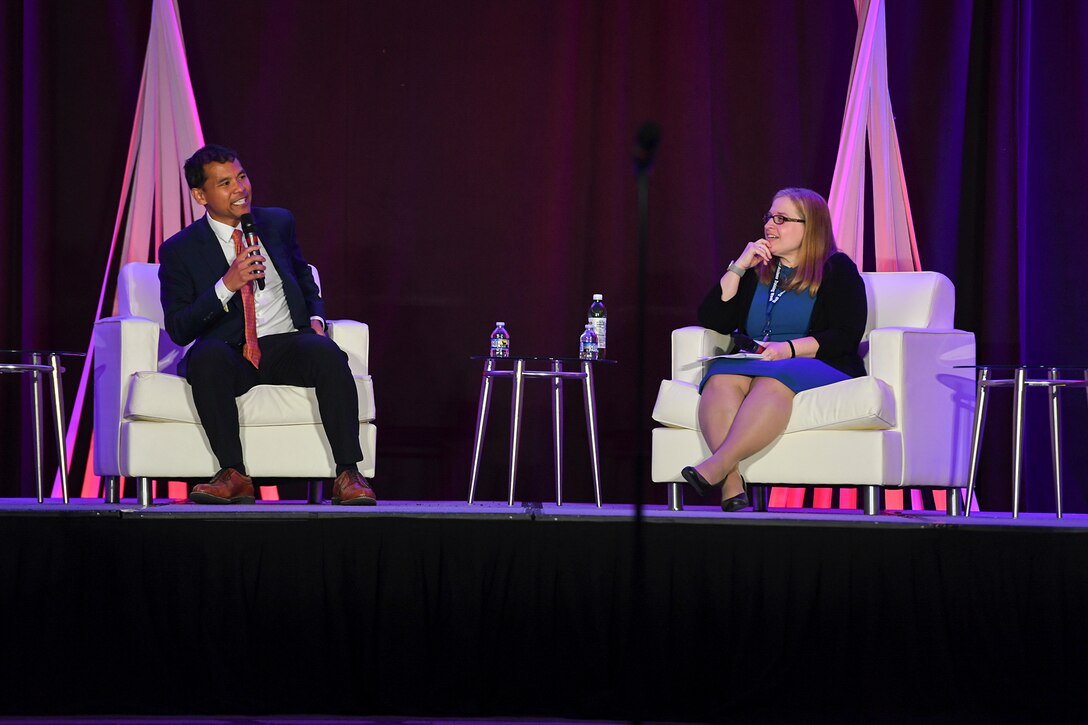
(772, 300)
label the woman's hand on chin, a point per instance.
(754, 253)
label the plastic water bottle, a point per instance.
(587, 344)
(598, 317)
(500, 341)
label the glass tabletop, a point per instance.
(7, 351)
(1014, 366)
(543, 358)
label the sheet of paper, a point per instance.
(731, 356)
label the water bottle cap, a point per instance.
(589, 326)
(598, 296)
(500, 324)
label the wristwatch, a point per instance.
(737, 269)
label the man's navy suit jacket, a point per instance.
(192, 261)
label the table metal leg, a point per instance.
(557, 429)
(481, 426)
(591, 426)
(515, 425)
(1018, 437)
(36, 404)
(976, 433)
(58, 416)
(1055, 392)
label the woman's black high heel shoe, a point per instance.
(738, 502)
(696, 481)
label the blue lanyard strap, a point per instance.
(772, 300)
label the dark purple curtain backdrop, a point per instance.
(452, 164)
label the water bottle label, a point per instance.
(599, 326)
(500, 347)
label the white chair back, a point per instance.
(909, 299)
(138, 291)
(138, 296)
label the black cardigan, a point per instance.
(838, 314)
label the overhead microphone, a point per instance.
(646, 140)
(249, 231)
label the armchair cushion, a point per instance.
(864, 403)
(168, 398)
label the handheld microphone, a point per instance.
(249, 231)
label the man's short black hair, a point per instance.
(209, 154)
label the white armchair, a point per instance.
(145, 423)
(906, 424)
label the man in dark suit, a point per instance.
(203, 278)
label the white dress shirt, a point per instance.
(273, 314)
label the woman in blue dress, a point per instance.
(804, 302)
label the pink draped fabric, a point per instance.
(869, 115)
(155, 201)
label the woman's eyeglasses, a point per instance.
(780, 219)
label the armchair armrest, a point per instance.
(122, 346)
(353, 338)
(935, 401)
(691, 343)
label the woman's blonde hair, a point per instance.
(817, 244)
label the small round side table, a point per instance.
(38, 364)
(1020, 382)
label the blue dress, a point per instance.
(788, 320)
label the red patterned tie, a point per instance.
(251, 351)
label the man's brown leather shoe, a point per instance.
(351, 489)
(227, 486)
